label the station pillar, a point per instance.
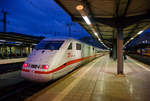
(114, 49)
(29, 49)
(119, 51)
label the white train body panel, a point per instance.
(44, 65)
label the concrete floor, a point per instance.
(97, 81)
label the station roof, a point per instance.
(11, 36)
(141, 40)
(107, 15)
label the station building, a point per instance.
(15, 45)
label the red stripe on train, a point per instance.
(60, 67)
(25, 70)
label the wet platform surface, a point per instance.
(97, 81)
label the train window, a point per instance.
(49, 45)
(78, 46)
(70, 46)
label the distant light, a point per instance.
(132, 38)
(45, 66)
(79, 7)
(3, 40)
(34, 44)
(145, 41)
(86, 20)
(140, 32)
(19, 42)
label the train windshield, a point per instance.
(49, 45)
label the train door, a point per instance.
(91, 51)
(88, 50)
(78, 51)
(83, 50)
(70, 53)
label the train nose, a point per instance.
(38, 56)
(31, 72)
(32, 76)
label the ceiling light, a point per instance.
(86, 20)
(140, 32)
(96, 34)
(79, 7)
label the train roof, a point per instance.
(59, 38)
(63, 39)
(66, 38)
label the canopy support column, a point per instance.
(119, 51)
(29, 49)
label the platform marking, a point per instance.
(140, 65)
(60, 96)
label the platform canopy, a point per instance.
(132, 16)
(17, 37)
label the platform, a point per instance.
(15, 60)
(97, 81)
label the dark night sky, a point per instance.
(141, 38)
(38, 17)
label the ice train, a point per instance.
(53, 58)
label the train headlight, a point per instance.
(45, 66)
(25, 65)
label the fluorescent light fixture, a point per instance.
(95, 33)
(86, 20)
(140, 32)
(34, 44)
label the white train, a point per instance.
(53, 58)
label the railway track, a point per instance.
(21, 90)
(5, 68)
(144, 59)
